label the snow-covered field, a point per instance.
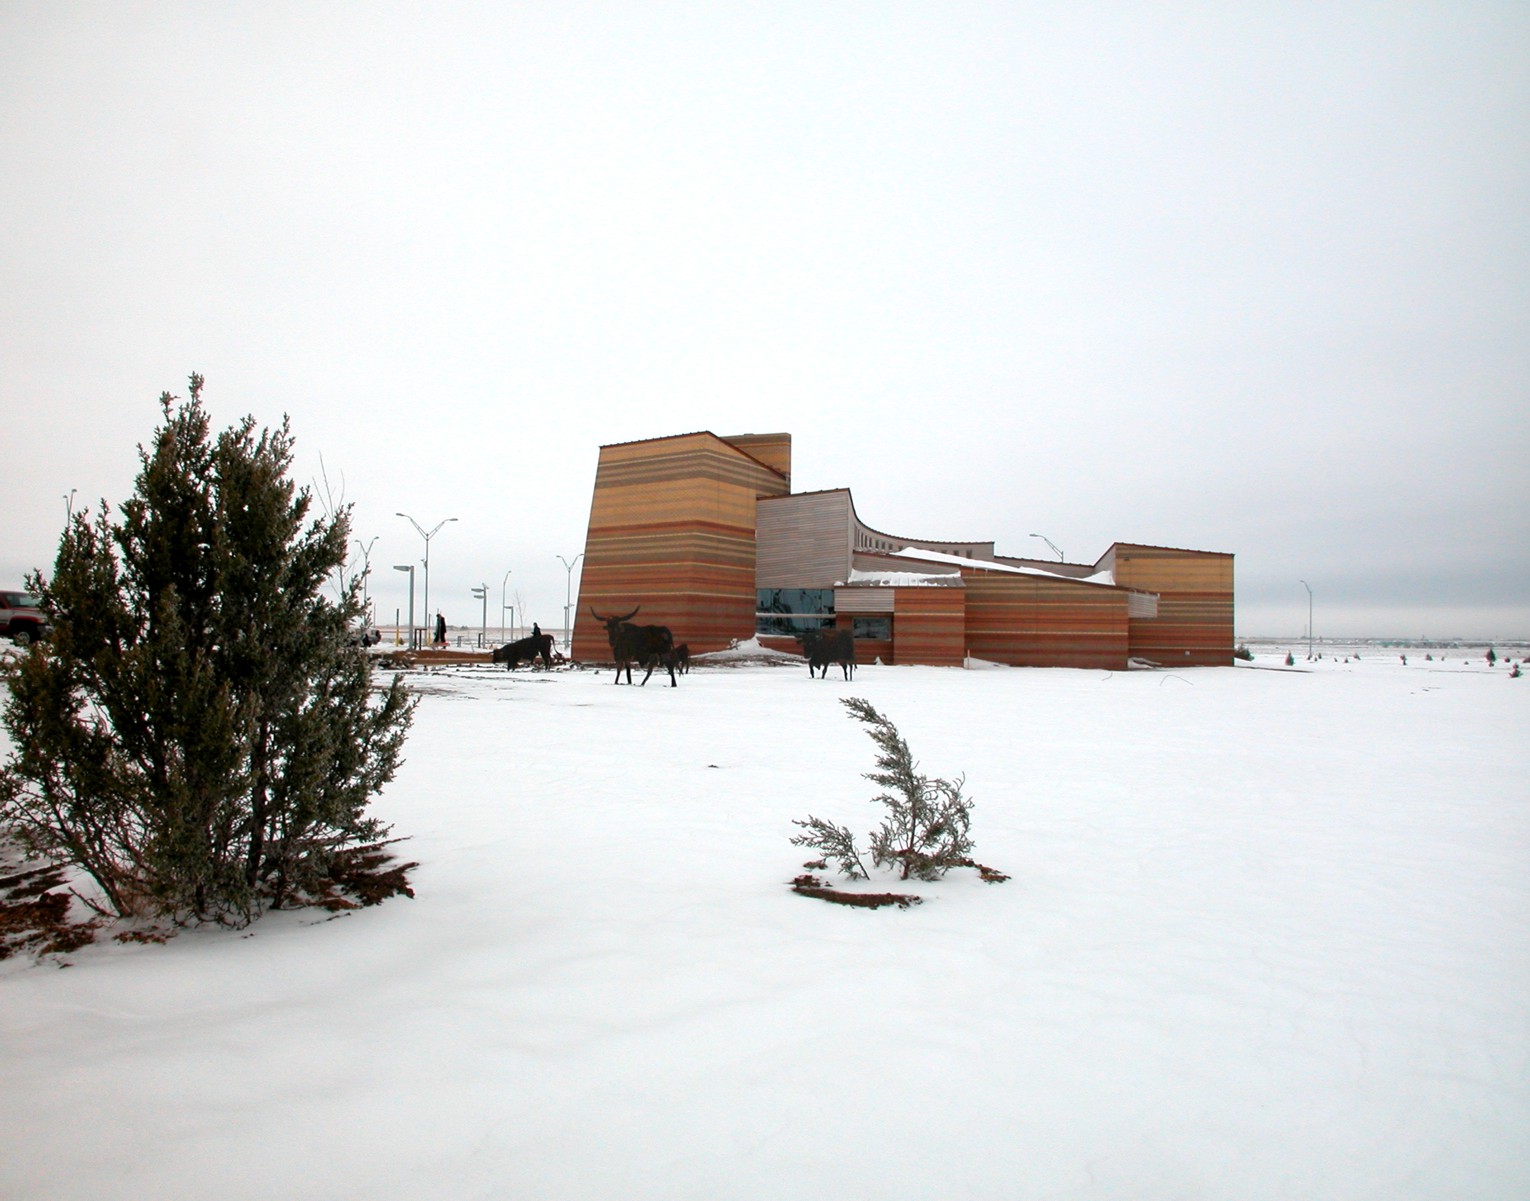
(1267, 936)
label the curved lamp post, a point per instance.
(503, 584)
(427, 538)
(1308, 587)
(1053, 545)
(409, 567)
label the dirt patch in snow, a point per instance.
(35, 904)
(809, 885)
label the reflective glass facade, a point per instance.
(879, 628)
(792, 610)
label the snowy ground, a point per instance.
(1267, 936)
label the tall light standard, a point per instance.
(1053, 545)
(568, 602)
(503, 584)
(409, 567)
(1308, 587)
(366, 570)
(69, 506)
(427, 538)
(482, 593)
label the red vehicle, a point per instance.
(20, 619)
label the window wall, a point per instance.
(788, 611)
(877, 628)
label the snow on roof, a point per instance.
(935, 556)
(906, 579)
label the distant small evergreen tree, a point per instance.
(197, 735)
(926, 830)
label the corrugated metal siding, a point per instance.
(803, 541)
(672, 530)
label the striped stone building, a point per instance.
(705, 535)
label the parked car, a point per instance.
(20, 619)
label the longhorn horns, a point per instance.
(608, 620)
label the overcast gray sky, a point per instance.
(1239, 277)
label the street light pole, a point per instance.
(409, 567)
(366, 570)
(427, 538)
(503, 584)
(568, 602)
(482, 593)
(1053, 545)
(1308, 587)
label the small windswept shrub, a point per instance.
(832, 842)
(926, 830)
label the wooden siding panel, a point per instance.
(864, 600)
(803, 541)
(1194, 625)
(672, 531)
(1030, 621)
(774, 450)
(929, 626)
(870, 650)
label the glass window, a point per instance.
(794, 600)
(789, 624)
(873, 627)
(793, 610)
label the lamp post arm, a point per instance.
(1053, 545)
